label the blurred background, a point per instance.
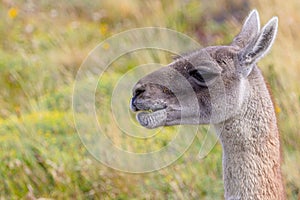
(42, 45)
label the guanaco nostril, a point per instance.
(138, 91)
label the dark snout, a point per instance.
(133, 103)
(148, 97)
(151, 100)
(137, 91)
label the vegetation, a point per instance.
(42, 45)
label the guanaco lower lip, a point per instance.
(152, 119)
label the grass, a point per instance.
(43, 45)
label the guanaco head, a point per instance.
(205, 86)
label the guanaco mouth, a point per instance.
(152, 118)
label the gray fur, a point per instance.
(231, 95)
(249, 31)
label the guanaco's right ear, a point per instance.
(249, 31)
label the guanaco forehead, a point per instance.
(206, 59)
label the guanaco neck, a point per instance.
(251, 147)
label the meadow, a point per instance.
(43, 44)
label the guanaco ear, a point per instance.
(249, 31)
(259, 47)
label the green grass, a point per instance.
(42, 45)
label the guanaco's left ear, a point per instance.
(258, 47)
(249, 32)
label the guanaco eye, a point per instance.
(203, 78)
(197, 75)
